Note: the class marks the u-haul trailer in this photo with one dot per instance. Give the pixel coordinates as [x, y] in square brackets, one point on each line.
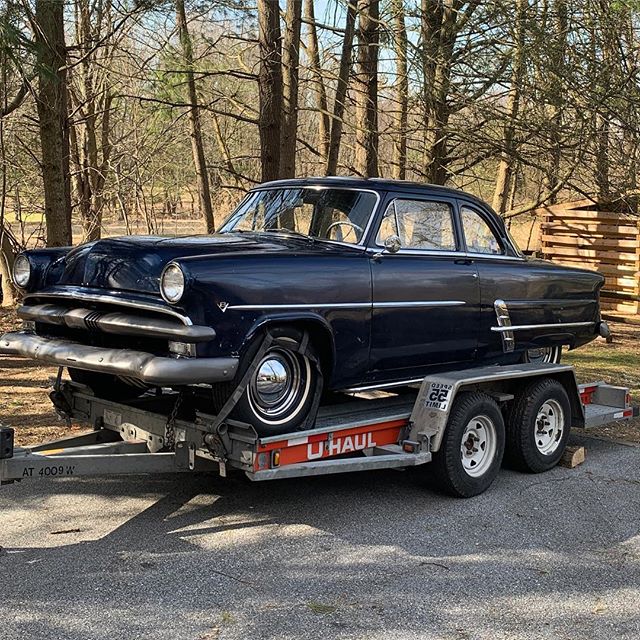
[462, 422]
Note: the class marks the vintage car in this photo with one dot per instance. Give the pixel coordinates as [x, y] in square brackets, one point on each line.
[359, 284]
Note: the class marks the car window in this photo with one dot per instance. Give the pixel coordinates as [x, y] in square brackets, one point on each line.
[328, 214]
[478, 235]
[420, 224]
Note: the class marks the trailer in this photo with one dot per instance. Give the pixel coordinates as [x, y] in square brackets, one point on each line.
[462, 425]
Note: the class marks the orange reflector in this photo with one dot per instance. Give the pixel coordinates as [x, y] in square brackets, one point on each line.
[275, 458]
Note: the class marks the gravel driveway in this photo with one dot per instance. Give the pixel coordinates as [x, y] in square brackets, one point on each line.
[370, 555]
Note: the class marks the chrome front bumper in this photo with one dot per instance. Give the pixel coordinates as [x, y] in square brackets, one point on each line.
[153, 370]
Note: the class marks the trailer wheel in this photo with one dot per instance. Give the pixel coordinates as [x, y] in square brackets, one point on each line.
[538, 427]
[471, 451]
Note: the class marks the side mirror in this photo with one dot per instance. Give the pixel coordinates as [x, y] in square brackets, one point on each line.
[392, 244]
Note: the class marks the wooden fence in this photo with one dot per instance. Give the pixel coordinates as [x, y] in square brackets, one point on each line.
[579, 234]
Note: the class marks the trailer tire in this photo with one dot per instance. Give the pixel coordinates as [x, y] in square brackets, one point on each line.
[538, 427]
[472, 447]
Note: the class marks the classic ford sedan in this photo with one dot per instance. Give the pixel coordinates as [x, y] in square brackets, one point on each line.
[310, 286]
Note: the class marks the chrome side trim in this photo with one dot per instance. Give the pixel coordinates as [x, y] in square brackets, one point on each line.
[347, 305]
[133, 304]
[550, 302]
[504, 322]
[382, 385]
[553, 325]
[426, 303]
[330, 305]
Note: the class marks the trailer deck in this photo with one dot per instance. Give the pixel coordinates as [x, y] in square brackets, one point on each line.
[170, 433]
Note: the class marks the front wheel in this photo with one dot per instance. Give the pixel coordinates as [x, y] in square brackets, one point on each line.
[283, 392]
[471, 451]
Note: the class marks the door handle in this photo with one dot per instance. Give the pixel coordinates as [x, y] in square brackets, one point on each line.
[466, 261]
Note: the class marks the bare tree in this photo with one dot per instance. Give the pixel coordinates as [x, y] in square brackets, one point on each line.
[270, 88]
[337, 121]
[401, 90]
[319, 89]
[290, 64]
[366, 156]
[441, 21]
[197, 144]
[556, 99]
[507, 155]
[53, 119]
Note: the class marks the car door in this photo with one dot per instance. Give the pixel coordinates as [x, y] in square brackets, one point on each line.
[426, 296]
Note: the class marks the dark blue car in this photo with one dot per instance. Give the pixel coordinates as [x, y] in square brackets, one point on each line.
[359, 284]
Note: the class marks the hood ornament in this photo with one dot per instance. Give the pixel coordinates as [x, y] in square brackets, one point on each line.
[223, 306]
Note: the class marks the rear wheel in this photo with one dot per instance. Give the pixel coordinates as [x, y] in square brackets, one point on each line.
[471, 451]
[538, 427]
[107, 386]
[543, 355]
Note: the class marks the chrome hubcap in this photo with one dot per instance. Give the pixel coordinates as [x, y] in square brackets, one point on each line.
[549, 427]
[541, 355]
[280, 385]
[478, 447]
[272, 379]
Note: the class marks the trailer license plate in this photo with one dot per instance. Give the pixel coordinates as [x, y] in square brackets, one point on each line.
[438, 396]
[112, 418]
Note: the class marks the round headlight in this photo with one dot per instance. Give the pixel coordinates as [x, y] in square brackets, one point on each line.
[22, 271]
[172, 283]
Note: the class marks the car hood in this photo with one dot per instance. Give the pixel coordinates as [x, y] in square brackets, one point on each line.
[135, 263]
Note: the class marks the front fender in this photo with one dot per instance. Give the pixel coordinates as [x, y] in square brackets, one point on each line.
[306, 319]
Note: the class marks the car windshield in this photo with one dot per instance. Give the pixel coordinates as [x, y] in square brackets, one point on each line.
[341, 215]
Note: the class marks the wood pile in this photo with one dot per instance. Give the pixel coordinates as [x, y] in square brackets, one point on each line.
[580, 234]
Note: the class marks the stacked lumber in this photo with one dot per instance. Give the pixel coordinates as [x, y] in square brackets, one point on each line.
[579, 234]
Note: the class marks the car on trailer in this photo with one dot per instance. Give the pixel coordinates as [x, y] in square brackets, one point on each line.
[360, 284]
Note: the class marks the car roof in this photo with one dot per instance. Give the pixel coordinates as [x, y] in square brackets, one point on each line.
[375, 184]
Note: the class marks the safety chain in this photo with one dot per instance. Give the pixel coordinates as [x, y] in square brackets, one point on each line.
[170, 429]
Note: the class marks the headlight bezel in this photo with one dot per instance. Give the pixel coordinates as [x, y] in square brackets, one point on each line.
[17, 280]
[173, 270]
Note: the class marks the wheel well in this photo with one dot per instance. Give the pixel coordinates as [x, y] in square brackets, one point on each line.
[319, 336]
[321, 339]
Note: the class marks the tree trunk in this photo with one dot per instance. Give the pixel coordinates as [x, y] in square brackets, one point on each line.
[290, 64]
[557, 64]
[322, 105]
[437, 31]
[401, 91]
[197, 144]
[366, 157]
[341, 90]
[53, 120]
[270, 88]
[508, 152]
